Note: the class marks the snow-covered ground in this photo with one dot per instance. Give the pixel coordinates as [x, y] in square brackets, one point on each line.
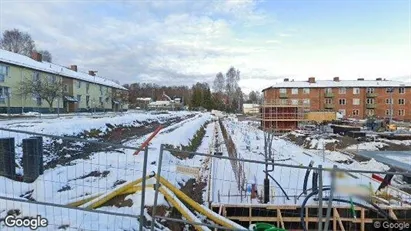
[104, 170]
[76, 124]
[250, 145]
[64, 184]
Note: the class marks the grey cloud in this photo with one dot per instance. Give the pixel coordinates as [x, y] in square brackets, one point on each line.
[140, 46]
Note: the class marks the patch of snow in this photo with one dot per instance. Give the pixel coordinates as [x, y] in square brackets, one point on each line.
[371, 146]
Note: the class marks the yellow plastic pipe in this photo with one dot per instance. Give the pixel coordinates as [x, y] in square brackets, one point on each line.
[97, 202]
[208, 213]
[181, 208]
[133, 189]
[84, 199]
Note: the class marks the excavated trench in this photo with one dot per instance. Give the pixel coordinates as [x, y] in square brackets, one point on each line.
[63, 152]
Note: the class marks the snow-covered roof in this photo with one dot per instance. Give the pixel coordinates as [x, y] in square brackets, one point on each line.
[21, 60]
[143, 99]
[250, 105]
[160, 103]
[341, 83]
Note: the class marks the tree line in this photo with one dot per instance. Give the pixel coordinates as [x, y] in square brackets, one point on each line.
[225, 94]
[21, 43]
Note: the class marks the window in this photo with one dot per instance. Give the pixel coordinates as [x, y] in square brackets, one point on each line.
[401, 101]
[79, 98]
[401, 112]
[401, 90]
[370, 90]
[328, 101]
[283, 102]
[294, 91]
[38, 101]
[329, 90]
[4, 71]
[370, 101]
[388, 101]
[389, 89]
[342, 102]
[3, 94]
[87, 87]
[294, 101]
[342, 112]
[355, 101]
[370, 112]
[87, 100]
[101, 100]
[36, 76]
[101, 91]
[306, 101]
[52, 79]
[65, 88]
[283, 90]
[306, 90]
[356, 90]
[388, 112]
[342, 90]
[78, 84]
[355, 112]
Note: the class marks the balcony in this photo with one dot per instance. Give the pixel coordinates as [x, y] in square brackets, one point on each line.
[329, 106]
[371, 106]
[329, 95]
[371, 95]
[283, 95]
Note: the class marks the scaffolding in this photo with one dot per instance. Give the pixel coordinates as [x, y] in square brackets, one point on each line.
[283, 115]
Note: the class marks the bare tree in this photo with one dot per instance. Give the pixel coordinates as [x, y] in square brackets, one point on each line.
[252, 97]
[232, 78]
[218, 84]
[17, 41]
[47, 89]
[46, 55]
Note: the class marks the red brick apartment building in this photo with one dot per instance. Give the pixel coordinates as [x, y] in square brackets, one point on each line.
[353, 98]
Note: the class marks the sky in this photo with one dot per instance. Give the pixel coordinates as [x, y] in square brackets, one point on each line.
[183, 42]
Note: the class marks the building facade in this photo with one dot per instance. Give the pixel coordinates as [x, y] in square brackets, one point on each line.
[82, 92]
[357, 99]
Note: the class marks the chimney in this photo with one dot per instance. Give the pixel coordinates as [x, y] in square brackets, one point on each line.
[73, 68]
[360, 79]
[91, 73]
[311, 80]
[286, 80]
[337, 79]
[36, 56]
[378, 79]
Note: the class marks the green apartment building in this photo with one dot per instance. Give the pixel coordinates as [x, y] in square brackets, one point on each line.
[82, 92]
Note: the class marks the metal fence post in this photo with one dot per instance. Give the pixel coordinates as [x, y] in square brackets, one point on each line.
[143, 189]
[158, 175]
[320, 197]
[330, 198]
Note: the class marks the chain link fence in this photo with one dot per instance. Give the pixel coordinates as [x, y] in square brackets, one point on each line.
[82, 183]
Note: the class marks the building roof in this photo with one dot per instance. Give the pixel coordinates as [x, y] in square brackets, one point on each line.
[160, 103]
[250, 105]
[341, 83]
[21, 60]
[143, 99]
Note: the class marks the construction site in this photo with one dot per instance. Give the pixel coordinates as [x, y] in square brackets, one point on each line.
[192, 170]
